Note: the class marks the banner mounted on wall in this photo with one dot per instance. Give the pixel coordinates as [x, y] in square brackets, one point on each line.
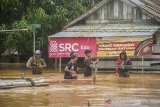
[133, 46]
[61, 47]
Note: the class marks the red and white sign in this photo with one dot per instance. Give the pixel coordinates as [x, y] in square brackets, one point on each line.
[61, 47]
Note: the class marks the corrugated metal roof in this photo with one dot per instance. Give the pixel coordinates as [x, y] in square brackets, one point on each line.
[108, 30]
[113, 28]
[100, 34]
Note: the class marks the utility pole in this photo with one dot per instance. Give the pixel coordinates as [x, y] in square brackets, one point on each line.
[92, 2]
[34, 36]
[34, 40]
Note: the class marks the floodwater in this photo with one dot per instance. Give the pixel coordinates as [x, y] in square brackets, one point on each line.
[140, 90]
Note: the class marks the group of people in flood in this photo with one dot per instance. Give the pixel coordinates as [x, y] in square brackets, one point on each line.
[71, 69]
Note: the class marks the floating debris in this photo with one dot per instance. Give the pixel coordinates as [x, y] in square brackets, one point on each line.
[22, 82]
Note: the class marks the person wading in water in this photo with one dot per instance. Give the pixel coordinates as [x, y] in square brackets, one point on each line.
[36, 63]
[121, 69]
[71, 69]
[88, 62]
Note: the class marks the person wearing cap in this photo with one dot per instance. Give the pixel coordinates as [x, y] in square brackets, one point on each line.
[36, 63]
[121, 69]
[88, 62]
[71, 69]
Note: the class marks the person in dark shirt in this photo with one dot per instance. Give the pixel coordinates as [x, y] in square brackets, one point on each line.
[123, 60]
[87, 63]
[71, 69]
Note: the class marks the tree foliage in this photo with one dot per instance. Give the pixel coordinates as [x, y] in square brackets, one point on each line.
[51, 14]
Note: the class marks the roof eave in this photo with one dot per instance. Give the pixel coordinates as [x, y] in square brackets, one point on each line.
[145, 11]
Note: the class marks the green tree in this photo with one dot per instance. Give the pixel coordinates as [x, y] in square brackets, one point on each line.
[51, 14]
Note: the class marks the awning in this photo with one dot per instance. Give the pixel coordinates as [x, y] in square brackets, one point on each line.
[108, 30]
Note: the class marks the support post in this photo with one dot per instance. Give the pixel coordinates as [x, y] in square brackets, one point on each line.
[60, 60]
[56, 64]
[94, 73]
[142, 64]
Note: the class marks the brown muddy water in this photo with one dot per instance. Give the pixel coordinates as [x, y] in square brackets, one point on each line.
[109, 91]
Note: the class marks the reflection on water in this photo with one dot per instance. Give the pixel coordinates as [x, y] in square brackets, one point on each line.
[109, 91]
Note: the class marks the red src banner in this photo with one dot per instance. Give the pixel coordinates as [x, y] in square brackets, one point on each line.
[61, 47]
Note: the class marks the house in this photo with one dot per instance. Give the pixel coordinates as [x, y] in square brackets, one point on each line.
[110, 27]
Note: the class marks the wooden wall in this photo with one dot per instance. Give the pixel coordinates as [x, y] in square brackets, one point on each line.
[156, 46]
[118, 11]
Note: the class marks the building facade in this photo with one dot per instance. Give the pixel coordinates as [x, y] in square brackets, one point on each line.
[113, 26]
